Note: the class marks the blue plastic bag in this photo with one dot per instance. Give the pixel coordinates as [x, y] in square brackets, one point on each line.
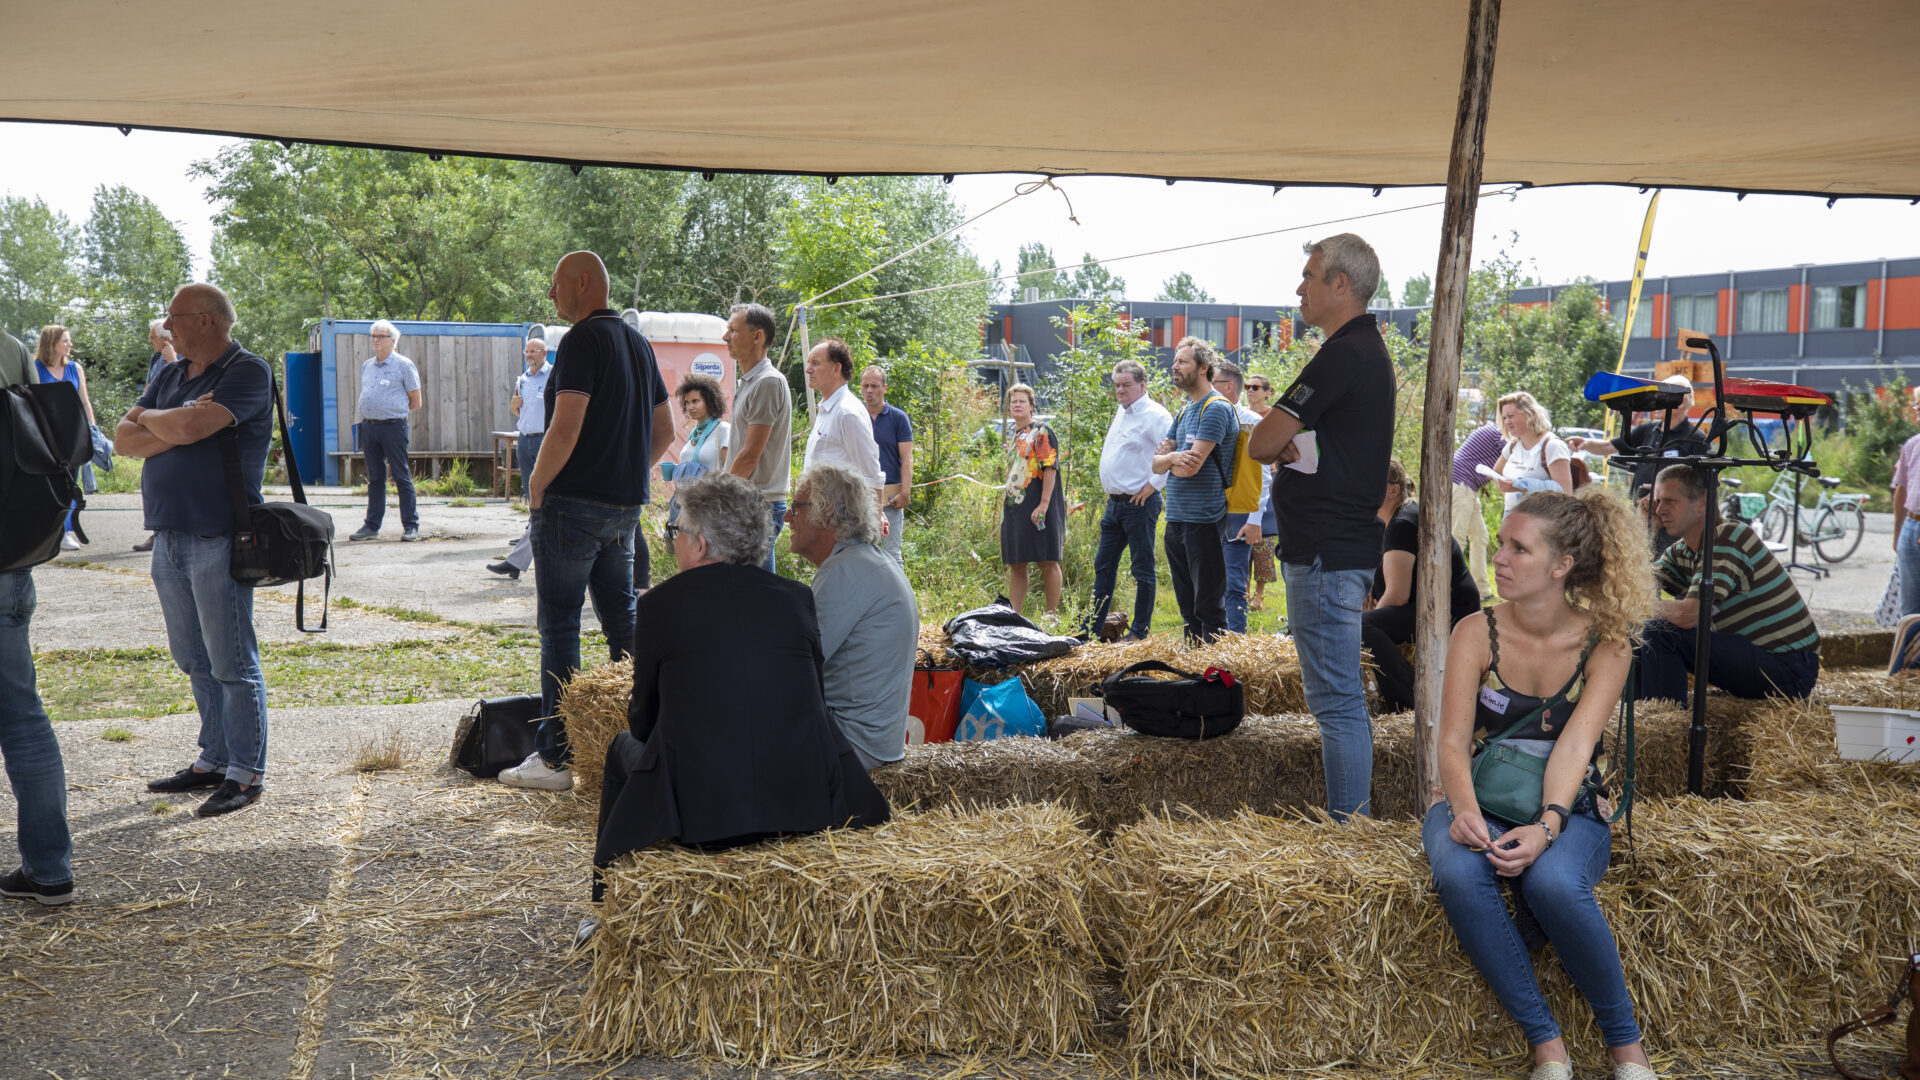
[997, 712]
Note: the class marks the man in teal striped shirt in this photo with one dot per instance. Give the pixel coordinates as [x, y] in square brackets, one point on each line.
[1763, 640]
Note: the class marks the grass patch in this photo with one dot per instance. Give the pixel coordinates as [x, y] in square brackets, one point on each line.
[465, 503]
[386, 750]
[162, 806]
[117, 734]
[106, 683]
[125, 477]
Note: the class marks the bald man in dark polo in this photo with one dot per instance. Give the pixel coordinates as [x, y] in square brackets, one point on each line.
[608, 422]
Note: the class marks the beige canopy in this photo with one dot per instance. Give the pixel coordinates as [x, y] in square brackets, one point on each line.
[1761, 95]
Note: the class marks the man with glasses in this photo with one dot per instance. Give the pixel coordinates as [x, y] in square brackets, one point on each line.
[389, 390]
[177, 427]
[1133, 498]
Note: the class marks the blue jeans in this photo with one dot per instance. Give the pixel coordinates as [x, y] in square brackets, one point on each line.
[1734, 664]
[1907, 554]
[1554, 901]
[1323, 613]
[581, 549]
[779, 510]
[1239, 556]
[385, 445]
[526, 453]
[1129, 528]
[209, 620]
[27, 742]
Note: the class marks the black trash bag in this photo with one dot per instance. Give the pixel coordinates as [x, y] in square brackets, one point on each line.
[997, 636]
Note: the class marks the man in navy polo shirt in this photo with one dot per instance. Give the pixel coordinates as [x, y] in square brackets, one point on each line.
[608, 422]
[893, 434]
[177, 426]
[1330, 528]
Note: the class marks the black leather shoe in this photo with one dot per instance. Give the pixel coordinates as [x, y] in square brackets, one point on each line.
[187, 780]
[505, 567]
[230, 796]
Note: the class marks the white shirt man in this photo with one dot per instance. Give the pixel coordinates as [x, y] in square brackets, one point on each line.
[842, 431]
[1133, 497]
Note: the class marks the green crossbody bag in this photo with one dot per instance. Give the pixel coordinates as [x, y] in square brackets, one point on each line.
[1508, 783]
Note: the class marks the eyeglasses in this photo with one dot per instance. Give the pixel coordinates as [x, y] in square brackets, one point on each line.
[184, 314]
[380, 335]
[674, 529]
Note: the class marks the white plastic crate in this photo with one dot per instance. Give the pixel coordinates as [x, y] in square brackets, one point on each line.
[1884, 734]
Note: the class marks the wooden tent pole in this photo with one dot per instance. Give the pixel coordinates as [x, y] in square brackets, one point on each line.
[1432, 623]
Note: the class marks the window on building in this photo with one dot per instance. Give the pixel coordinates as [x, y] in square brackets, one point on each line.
[996, 332]
[1256, 334]
[1839, 307]
[1209, 330]
[1156, 332]
[1763, 311]
[1642, 319]
[1701, 313]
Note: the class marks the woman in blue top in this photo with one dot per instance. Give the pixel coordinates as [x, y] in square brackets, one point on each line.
[1576, 589]
[56, 345]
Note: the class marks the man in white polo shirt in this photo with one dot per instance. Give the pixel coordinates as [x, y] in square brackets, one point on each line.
[842, 432]
[1133, 497]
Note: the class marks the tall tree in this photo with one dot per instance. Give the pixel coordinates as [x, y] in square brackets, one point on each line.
[1384, 294]
[135, 257]
[1418, 291]
[1181, 288]
[1034, 274]
[1092, 281]
[39, 264]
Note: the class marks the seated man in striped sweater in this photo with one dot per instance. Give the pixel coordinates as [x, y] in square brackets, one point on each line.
[1763, 640]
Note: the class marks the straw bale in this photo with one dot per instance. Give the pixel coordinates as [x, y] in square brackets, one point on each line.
[943, 933]
[1258, 944]
[593, 704]
[1855, 648]
[977, 775]
[1794, 749]
[1265, 664]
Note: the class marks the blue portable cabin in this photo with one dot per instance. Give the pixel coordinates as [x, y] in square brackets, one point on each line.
[467, 372]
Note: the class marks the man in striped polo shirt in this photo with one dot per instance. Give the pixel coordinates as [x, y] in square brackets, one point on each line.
[1763, 639]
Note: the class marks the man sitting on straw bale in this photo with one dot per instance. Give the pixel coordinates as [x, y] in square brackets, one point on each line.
[869, 619]
[1329, 528]
[729, 740]
[1763, 639]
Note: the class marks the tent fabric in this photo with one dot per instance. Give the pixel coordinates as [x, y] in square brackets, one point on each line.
[1761, 95]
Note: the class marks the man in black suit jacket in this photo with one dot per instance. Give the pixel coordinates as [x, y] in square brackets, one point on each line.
[729, 740]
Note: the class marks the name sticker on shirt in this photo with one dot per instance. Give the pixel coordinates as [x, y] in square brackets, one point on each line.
[1494, 699]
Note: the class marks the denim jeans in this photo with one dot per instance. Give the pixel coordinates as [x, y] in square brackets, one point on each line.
[1734, 664]
[890, 544]
[526, 453]
[527, 450]
[1323, 613]
[1554, 898]
[209, 620]
[1129, 528]
[1907, 555]
[385, 445]
[581, 549]
[1239, 556]
[779, 510]
[1196, 558]
[27, 742]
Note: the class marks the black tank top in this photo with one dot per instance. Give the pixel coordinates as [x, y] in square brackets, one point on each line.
[1500, 706]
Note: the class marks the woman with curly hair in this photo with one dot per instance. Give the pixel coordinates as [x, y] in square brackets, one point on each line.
[1576, 590]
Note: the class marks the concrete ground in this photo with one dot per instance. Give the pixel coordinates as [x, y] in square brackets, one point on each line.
[407, 921]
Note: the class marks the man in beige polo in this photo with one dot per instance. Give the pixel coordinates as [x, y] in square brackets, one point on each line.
[762, 440]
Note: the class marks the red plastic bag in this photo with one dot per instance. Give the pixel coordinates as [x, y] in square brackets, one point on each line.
[934, 710]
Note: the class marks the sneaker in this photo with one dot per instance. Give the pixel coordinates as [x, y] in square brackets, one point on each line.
[1551, 1070]
[230, 796]
[505, 567]
[411, 535]
[145, 545]
[1625, 1070]
[69, 542]
[536, 774]
[187, 779]
[364, 533]
[20, 885]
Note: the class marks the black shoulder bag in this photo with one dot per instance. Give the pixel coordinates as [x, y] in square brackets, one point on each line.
[43, 439]
[1204, 706]
[278, 542]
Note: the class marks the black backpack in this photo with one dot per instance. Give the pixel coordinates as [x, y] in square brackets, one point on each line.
[1190, 707]
[43, 441]
[276, 543]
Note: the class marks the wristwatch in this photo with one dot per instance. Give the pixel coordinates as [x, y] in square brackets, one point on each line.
[1566, 815]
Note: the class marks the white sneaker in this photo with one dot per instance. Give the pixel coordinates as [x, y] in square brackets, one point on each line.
[69, 542]
[535, 773]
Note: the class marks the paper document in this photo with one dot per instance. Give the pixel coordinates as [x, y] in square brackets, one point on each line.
[1487, 472]
[1309, 459]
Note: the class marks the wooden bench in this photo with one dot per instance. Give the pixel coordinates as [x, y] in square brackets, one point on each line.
[352, 461]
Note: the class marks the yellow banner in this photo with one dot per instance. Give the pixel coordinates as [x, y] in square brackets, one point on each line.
[1633, 299]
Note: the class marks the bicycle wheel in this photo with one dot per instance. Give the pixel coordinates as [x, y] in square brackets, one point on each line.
[1839, 530]
[1774, 524]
